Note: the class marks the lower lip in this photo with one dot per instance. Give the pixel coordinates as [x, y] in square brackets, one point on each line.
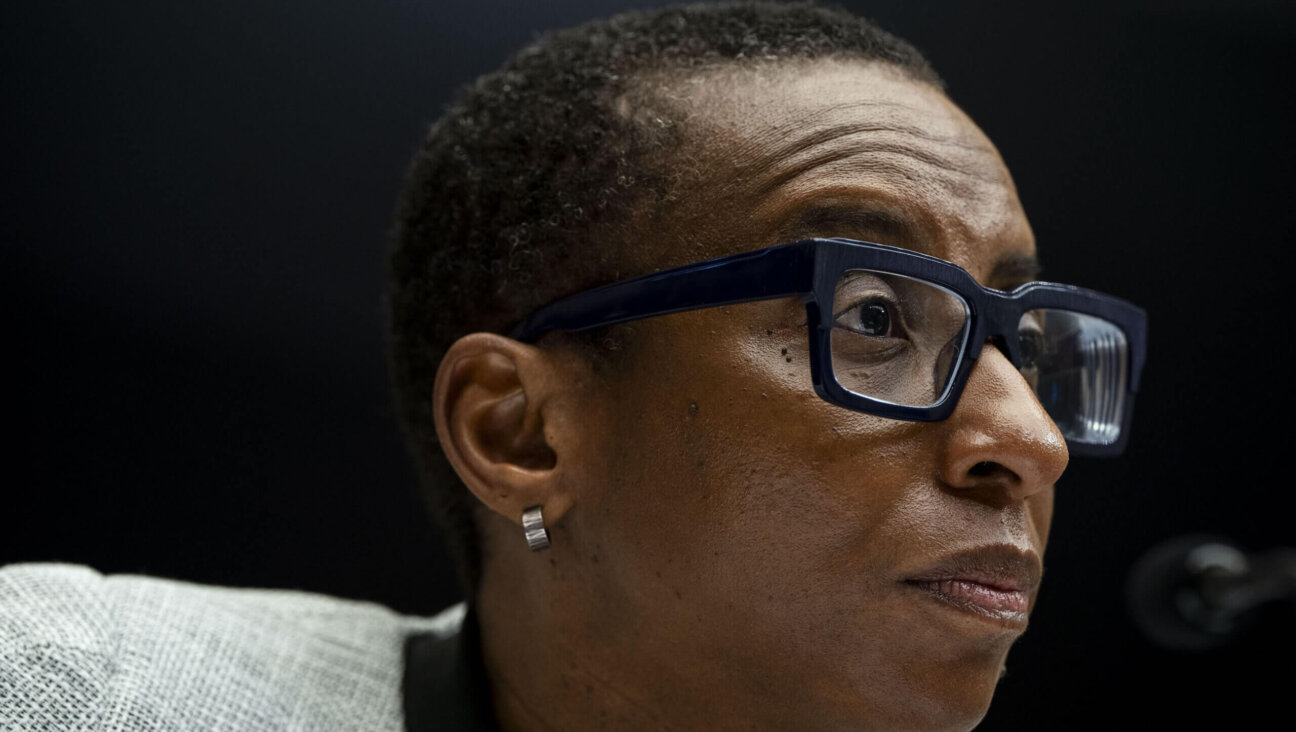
[1006, 606]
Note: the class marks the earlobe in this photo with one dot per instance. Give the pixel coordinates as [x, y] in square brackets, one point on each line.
[489, 404]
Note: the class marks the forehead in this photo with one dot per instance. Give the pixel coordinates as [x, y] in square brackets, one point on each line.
[844, 148]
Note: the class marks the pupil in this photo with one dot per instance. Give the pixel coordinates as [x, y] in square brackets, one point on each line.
[874, 319]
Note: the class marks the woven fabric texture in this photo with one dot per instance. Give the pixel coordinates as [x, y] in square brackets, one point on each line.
[84, 651]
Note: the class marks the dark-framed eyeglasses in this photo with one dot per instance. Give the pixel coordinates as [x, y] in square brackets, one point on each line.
[895, 333]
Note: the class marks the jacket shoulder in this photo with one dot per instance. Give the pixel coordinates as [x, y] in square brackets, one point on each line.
[80, 650]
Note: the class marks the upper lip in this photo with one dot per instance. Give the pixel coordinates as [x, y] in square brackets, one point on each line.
[1001, 567]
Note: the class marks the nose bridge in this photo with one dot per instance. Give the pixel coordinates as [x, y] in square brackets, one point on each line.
[998, 422]
[1002, 318]
[1001, 344]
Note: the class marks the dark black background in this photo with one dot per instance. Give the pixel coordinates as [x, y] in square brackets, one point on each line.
[194, 209]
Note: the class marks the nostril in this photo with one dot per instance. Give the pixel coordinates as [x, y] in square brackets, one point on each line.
[983, 468]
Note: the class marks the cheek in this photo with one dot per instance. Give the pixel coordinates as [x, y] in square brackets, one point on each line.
[733, 476]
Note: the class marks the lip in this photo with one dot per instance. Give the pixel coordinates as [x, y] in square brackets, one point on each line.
[994, 583]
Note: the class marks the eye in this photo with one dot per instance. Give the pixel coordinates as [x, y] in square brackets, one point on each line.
[1031, 343]
[871, 318]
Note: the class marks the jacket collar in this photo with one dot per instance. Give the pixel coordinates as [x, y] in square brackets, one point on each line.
[445, 687]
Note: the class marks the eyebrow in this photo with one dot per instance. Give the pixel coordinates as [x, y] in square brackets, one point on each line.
[1013, 269]
[836, 219]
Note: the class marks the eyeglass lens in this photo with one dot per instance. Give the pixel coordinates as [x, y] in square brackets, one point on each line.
[896, 339]
[1078, 365]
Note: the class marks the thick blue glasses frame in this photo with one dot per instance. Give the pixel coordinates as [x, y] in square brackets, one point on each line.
[810, 269]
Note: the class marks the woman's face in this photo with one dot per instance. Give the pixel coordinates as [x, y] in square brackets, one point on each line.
[739, 532]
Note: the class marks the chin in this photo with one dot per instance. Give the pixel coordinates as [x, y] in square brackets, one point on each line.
[957, 702]
[932, 713]
[940, 694]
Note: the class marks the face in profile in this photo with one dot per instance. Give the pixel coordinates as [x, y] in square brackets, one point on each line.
[730, 549]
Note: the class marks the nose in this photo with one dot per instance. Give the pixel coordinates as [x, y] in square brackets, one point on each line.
[999, 442]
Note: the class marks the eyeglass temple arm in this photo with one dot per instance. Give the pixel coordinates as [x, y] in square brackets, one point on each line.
[761, 275]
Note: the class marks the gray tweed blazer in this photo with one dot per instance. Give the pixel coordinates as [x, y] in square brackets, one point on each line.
[84, 651]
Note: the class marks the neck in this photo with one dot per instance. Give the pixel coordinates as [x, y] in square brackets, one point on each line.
[553, 668]
[571, 697]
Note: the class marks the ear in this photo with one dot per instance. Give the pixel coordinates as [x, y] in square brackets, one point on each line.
[490, 402]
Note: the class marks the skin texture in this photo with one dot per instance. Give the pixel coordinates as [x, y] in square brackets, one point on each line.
[729, 550]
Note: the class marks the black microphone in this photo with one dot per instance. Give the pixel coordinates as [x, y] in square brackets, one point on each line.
[1198, 592]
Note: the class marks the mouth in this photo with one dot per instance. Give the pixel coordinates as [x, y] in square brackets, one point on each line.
[994, 583]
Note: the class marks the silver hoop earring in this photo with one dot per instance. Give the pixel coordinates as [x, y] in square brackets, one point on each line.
[533, 524]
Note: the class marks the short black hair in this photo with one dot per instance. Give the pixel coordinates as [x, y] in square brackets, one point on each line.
[517, 194]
